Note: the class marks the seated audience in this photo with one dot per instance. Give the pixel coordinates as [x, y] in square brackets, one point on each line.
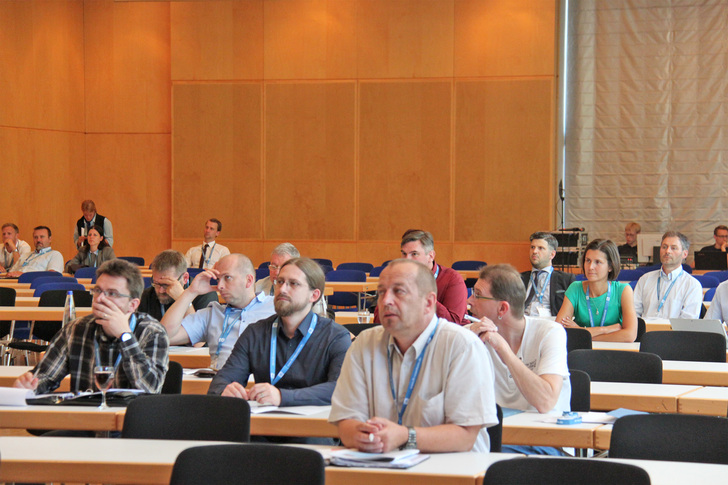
[718, 309]
[670, 292]
[94, 252]
[206, 255]
[90, 219]
[43, 258]
[528, 353]
[14, 249]
[545, 286]
[629, 248]
[416, 381]
[601, 304]
[720, 234]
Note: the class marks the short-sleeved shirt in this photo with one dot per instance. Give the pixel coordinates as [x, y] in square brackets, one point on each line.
[577, 297]
[46, 260]
[455, 384]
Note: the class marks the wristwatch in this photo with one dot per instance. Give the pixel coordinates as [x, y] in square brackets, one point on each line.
[411, 443]
[125, 336]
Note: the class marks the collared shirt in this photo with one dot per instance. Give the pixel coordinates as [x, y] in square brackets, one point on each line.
[44, 261]
[108, 230]
[214, 252]
[719, 306]
[683, 301]
[144, 357]
[534, 304]
[455, 384]
[7, 257]
[206, 325]
[311, 378]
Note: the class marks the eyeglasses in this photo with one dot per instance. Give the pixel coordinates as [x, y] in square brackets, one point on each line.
[274, 267]
[161, 286]
[293, 284]
[113, 294]
[481, 297]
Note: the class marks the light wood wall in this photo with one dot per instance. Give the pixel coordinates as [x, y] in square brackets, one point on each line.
[335, 125]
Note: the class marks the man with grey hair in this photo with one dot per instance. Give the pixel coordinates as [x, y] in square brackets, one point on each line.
[670, 292]
[169, 280]
[114, 335]
[545, 286]
[416, 381]
[219, 325]
[14, 249]
[282, 253]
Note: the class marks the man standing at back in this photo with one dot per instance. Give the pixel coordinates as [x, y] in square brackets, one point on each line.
[452, 294]
[209, 252]
[670, 292]
[416, 381]
[90, 219]
[14, 249]
[43, 258]
[545, 286]
[219, 325]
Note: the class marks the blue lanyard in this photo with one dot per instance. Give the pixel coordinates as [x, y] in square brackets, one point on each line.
[606, 305]
[437, 270]
[274, 339]
[209, 255]
[96, 260]
[534, 283]
[132, 326]
[413, 376]
[226, 328]
[664, 298]
[35, 255]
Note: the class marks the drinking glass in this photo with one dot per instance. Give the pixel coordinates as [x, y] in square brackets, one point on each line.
[104, 377]
[363, 316]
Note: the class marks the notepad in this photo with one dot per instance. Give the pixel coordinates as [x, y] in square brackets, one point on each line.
[400, 459]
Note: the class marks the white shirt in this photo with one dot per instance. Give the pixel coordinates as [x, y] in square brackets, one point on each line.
[7, 257]
[455, 384]
[543, 304]
[719, 306]
[45, 260]
[214, 252]
[683, 300]
[543, 350]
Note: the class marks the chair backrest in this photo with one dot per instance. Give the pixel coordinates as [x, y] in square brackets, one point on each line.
[580, 390]
[719, 275]
[495, 432]
[366, 267]
[707, 281]
[188, 417]
[617, 365]
[147, 281]
[679, 345]
[578, 338]
[708, 296]
[641, 329]
[194, 272]
[580, 277]
[633, 284]
[558, 471]
[263, 265]
[173, 379]
[57, 298]
[671, 437]
[30, 276]
[261, 273]
[326, 268]
[468, 265]
[324, 261]
[630, 274]
[138, 260]
[51, 279]
[376, 271]
[356, 328]
[7, 298]
[251, 463]
[346, 275]
[87, 272]
[61, 285]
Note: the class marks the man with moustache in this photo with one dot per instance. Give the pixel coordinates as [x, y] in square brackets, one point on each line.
[302, 350]
[545, 286]
[14, 249]
[43, 258]
[219, 325]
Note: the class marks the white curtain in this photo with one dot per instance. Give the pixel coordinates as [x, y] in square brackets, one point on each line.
[646, 136]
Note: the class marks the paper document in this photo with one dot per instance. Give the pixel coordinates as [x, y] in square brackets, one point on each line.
[14, 396]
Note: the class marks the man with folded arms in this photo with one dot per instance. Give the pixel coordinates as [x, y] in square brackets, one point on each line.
[169, 280]
[528, 353]
[219, 325]
[545, 286]
[416, 381]
[44, 258]
[115, 334]
[206, 255]
[14, 249]
[670, 292]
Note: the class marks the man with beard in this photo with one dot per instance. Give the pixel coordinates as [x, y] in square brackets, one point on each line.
[169, 280]
[545, 286]
[43, 258]
[219, 325]
[300, 349]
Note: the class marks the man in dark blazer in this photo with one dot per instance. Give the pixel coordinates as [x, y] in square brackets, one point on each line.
[545, 286]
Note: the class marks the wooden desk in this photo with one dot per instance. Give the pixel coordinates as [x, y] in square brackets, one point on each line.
[352, 286]
[654, 398]
[528, 429]
[706, 400]
[469, 273]
[343, 318]
[38, 313]
[627, 346]
[315, 425]
[190, 357]
[87, 418]
[27, 300]
[695, 373]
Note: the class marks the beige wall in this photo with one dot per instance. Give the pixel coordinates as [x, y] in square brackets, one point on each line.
[335, 125]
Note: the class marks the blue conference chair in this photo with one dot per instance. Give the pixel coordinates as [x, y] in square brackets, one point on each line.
[343, 300]
[139, 261]
[261, 273]
[720, 275]
[580, 277]
[264, 265]
[194, 272]
[324, 261]
[30, 276]
[51, 279]
[630, 274]
[376, 271]
[707, 281]
[708, 296]
[468, 265]
[62, 285]
[366, 267]
[147, 281]
[87, 272]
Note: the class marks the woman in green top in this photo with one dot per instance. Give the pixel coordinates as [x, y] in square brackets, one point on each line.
[601, 304]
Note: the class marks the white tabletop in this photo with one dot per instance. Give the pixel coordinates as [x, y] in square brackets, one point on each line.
[659, 398]
[630, 346]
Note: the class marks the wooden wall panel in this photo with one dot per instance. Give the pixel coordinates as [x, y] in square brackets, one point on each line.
[503, 159]
[41, 64]
[217, 159]
[128, 178]
[404, 39]
[217, 40]
[46, 166]
[127, 67]
[506, 37]
[310, 39]
[309, 159]
[404, 159]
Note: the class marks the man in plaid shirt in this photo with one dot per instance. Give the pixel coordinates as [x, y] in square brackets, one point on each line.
[135, 344]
